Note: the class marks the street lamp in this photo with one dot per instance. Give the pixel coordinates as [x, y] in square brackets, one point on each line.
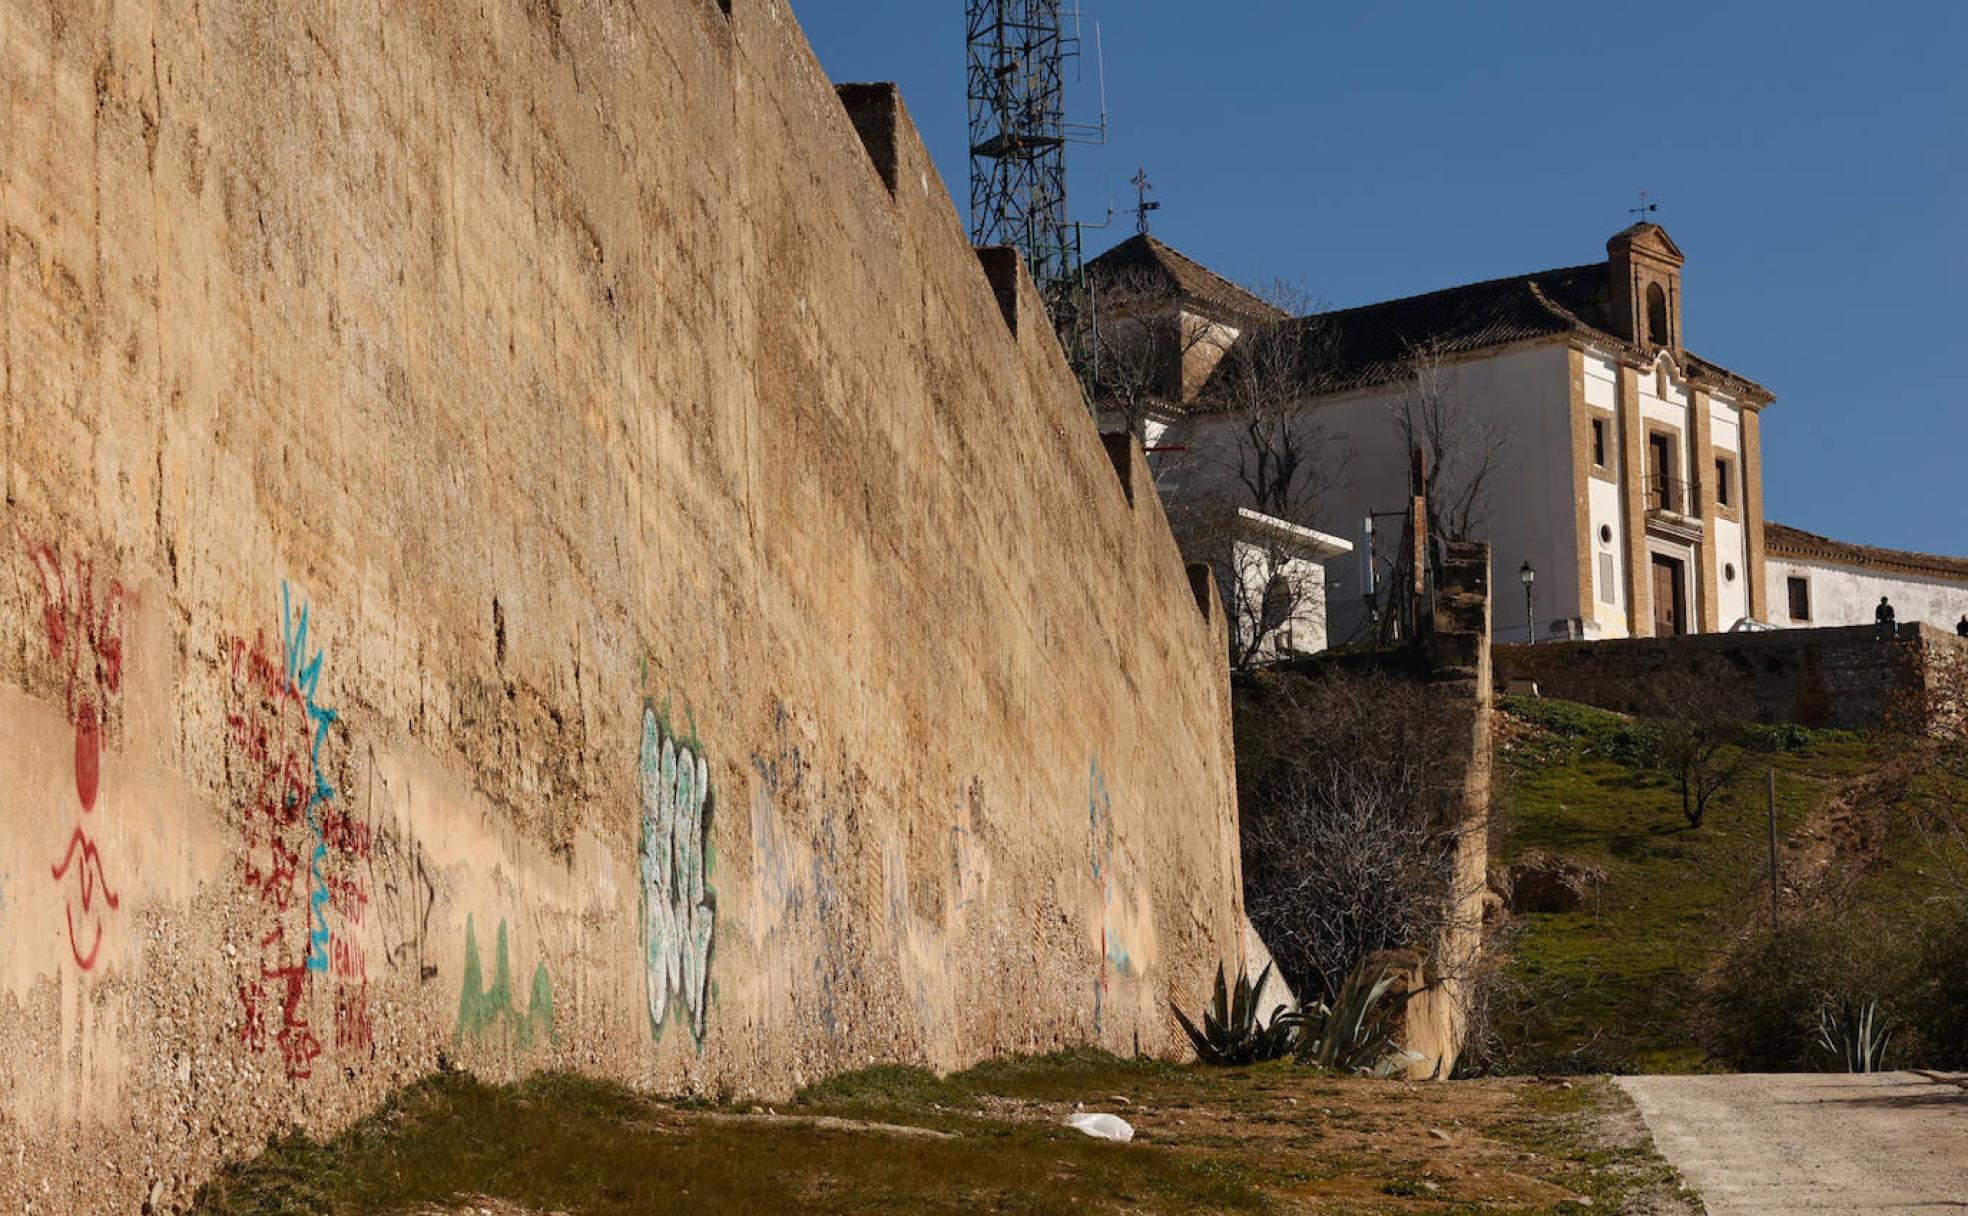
[1530, 619]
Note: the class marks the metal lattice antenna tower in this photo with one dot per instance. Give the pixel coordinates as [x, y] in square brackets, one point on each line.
[1018, 133]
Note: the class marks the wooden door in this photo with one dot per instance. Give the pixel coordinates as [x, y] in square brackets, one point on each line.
[1669, 582]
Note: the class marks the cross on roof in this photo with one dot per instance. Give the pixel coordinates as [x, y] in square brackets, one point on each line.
[1142, 206]
[1644, 207]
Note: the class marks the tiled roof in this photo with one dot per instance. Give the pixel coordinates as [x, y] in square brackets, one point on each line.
[1362, 347]
[1143, 254]
[1780, 540]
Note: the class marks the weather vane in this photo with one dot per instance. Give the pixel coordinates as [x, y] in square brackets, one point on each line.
[1644, 207]
[1142, 206]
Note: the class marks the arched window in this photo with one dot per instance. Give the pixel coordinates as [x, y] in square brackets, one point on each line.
[1656, 315]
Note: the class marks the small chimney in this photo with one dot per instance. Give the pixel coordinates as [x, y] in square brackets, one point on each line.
[1644, 266]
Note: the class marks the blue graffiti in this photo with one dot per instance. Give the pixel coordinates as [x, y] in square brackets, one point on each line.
[304, 672]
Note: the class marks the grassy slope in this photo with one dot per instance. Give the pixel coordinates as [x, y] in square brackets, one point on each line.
[1616, 986]
[1268, 1138]
[1612, 987]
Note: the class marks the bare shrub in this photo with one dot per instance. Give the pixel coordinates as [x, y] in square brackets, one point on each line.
[1701, 711]
[1352, 804]
[1138, 345]
[1460, 449]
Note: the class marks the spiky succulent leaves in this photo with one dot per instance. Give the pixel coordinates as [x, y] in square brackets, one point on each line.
[1204, 1040]
[1357, 1032]
[1231, 1032]
[1854, 1038]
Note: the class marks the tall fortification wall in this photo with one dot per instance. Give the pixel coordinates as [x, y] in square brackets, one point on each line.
[531, 540]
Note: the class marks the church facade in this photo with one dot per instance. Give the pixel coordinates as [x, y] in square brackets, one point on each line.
[1616, 474]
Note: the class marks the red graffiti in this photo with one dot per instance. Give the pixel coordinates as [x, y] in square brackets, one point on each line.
[347, 960]
[88, 878]
[349, 898]
[287, 869]
[86, 638]
[353, 1029]
[252, 1028]
[297, 1043]
[346, 834]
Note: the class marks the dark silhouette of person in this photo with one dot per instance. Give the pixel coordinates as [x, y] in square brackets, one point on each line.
[1962, 628]
[1882, 618]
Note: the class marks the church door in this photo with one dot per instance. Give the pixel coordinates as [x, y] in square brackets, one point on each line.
[1670, 619]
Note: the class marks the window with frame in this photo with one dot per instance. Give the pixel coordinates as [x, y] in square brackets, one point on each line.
[1725, 482]
[1599, 443]
[1800, 598]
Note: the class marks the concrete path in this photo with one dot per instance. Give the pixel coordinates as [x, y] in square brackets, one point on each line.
[1883, 1144]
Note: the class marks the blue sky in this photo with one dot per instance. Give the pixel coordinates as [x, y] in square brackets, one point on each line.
[1810, 158]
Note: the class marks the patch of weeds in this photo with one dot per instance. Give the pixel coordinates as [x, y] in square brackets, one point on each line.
[1556, 1122]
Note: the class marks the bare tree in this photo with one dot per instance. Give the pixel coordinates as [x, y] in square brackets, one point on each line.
[1139, 343]
[1351, 788]
[1700, 713]
[1462, 451]
[1269, 453]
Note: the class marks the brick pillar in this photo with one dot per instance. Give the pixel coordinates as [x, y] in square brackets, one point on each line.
[1633, 500]
[1701, 473]
[1582, 486]
[1752, 481]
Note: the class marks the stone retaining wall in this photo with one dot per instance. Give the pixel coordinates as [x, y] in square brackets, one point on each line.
[532, 540]
[1848, 678]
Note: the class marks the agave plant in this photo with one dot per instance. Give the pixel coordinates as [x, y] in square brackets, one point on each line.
[1356, 1032]
[1854, 1037]
[1232, 1032]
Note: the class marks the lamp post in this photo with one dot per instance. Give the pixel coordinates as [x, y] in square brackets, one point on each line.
[1530, 619]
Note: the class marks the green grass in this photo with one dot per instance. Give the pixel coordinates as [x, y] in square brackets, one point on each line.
[559, 1142]
[1259, 1139]
[1613, 986]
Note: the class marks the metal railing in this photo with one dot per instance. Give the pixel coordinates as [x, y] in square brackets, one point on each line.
[1666, 493]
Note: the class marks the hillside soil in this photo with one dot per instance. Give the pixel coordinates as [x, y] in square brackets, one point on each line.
[1273, 1138]
[1616, 984]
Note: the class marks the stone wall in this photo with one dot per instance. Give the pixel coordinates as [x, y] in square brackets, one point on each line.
[1451, 656]
[531, 540]
[1847, 677]
[1456, 640]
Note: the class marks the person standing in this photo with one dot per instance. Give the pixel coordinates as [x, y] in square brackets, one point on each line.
[1962, 628]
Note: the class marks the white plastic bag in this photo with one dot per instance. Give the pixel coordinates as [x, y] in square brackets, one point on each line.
[1102, 1126]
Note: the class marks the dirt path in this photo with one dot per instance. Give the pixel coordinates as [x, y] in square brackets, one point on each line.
[1871, 1145]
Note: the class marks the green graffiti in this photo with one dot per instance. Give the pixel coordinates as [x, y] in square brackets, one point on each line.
[482, 1009]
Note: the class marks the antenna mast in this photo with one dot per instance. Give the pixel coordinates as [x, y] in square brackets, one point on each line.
[1016, 86]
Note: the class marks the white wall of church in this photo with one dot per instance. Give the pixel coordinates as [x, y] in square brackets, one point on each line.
[1527, 394]
[1731, 594]
[1605, 615]
[1848, 595]
[1609, 592]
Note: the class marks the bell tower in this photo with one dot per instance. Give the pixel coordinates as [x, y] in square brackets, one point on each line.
[1645, 273]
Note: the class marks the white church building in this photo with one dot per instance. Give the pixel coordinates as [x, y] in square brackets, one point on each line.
[1627, 471]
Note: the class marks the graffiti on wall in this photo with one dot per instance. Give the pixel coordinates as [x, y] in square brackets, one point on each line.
[488, 1009]
[407, 897]
[930, 920]
[304, 857]
[83, 626]
[1126, 928]
[679, 909]
[810, 939]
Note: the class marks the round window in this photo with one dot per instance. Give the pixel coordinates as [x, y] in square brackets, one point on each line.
[1729, 571]
[1605, 534]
